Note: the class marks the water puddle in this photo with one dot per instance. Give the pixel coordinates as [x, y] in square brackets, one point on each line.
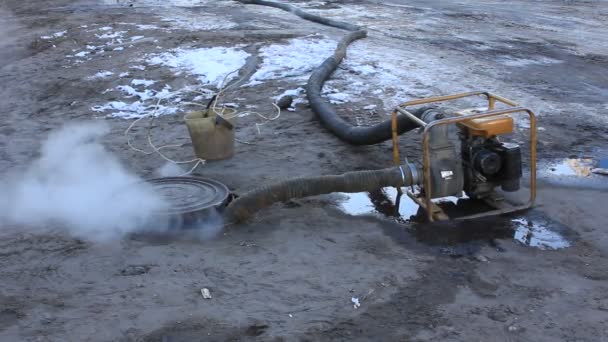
[457, 237]
[537, 235]
[382, 201]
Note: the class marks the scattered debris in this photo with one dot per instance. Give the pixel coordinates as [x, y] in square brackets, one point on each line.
[481, 258]
[602, 167]
[285, 102]
[206, 293]
[356, 303]
[133, 270]
[573, 167]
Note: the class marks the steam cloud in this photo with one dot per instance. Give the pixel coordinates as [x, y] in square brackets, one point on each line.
[76, 183]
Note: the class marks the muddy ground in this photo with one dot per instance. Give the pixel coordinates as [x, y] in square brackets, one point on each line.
[290, 273]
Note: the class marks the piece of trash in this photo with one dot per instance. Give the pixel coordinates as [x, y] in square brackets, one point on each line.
[481, 258]
[133, 270]
[573, 167]
[285, 102]
[600, 171]
[290, 315]
[206, 293]
[356, 303]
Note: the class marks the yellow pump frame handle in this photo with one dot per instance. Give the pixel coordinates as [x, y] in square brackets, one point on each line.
[492, 99]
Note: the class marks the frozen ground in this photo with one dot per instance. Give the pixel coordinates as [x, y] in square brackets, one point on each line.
[292, 272]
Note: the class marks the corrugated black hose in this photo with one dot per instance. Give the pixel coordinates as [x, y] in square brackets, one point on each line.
[354, 135]
[357, 181]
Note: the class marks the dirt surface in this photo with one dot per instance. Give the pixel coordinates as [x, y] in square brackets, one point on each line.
[291, 273]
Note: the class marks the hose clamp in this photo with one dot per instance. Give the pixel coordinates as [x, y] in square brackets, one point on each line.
[414, 173]
[402, 175]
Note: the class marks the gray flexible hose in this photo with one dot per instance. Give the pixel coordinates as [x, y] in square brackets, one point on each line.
[358, 181]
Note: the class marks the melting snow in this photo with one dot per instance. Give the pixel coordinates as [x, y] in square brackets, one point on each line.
[112, 35]
[146, 104]
[101, 74]
[211, 65]
[145, 83]
[297, 58]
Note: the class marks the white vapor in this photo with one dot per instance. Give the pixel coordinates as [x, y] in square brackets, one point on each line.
[77, 184]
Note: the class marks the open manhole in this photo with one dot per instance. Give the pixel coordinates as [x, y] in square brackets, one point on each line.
[190, 199]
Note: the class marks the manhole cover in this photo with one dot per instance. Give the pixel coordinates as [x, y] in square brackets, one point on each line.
[189, 195]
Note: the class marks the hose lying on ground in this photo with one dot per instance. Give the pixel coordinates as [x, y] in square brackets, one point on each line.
[357, 181]
[327, 115]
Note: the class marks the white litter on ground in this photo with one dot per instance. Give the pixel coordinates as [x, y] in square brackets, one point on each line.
[211, 65]
[297, 58]
[356, 303]
[82, 54]
[55, 35]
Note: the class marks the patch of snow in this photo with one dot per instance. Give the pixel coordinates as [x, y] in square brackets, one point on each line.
[297, 58]
[123, 74]
[211, 65]
[147, 27]
[81, 54]
[145, 83]
[520, 62]
[134, 38]
[101, 74]
[105, 28]
[55, 35]
[111, 35]
[120, 48]
[146, 103]
[199, 22]
[138, 67]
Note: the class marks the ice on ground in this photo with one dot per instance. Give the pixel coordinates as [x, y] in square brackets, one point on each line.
[123, 74]
[105, 28]
[211, 65]
[297, 58]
